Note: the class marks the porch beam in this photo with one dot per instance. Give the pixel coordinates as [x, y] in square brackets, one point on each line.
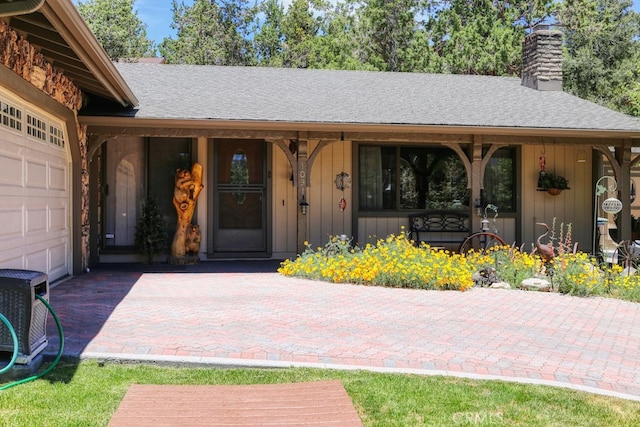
[351, 130]
[537, 140]
[210, 130]
[391, 137]
[192, 133]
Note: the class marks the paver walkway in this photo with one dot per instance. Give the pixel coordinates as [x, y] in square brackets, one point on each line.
[234, 318]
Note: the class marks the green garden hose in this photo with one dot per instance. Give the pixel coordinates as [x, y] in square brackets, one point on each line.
[58, 356]
[15, 344]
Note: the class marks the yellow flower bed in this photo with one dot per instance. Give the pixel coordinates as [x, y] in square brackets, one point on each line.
[396, 261]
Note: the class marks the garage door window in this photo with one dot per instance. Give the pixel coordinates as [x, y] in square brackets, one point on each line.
[56, 136]
[10, 116]
[36, 127]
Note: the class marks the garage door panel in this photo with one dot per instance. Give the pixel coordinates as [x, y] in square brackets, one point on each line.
[11, 223]
[11, 259]
[58, 219]
[57, 178]
[10, 248]
[36, 259]
[36, 176]
[58, 255]
[36, 220]
[11, 167]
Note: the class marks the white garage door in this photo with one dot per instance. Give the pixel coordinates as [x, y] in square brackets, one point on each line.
[34, 191]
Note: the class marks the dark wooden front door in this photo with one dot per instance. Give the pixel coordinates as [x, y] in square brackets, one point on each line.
[239, 197]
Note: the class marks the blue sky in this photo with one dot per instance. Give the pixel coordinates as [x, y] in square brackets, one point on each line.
[158, 17]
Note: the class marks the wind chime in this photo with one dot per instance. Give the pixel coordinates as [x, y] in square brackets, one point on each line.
[343, 180]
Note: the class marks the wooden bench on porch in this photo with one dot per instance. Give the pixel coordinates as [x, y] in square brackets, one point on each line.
[439, 228]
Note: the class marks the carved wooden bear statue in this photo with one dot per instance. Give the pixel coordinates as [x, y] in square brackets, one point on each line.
[192, 241]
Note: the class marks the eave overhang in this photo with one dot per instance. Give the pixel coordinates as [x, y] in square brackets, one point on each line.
[130, 126]
[56, 29]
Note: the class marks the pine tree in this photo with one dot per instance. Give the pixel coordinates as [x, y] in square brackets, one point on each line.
[116, 25]
[151, 230]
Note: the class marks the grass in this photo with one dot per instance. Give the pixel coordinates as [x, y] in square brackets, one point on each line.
[87, 394]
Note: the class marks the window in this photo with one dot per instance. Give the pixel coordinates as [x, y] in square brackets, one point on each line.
[399, 178]
[56, 136]
[499, 180]
[410, 178]
[10, 116]
[36, 127]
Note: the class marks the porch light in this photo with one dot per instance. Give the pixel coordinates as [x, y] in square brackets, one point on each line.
[304, 206]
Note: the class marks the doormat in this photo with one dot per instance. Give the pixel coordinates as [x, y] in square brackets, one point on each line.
[322, 403]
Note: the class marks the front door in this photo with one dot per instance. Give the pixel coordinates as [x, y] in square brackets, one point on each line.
[239, 207]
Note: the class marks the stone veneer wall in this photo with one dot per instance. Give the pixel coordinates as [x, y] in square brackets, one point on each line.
[17, 54]
[542, 60]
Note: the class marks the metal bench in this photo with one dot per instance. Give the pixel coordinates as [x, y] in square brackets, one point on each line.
[439, 228]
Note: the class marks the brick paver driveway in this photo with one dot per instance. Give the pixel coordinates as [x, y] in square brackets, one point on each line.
[264, 319]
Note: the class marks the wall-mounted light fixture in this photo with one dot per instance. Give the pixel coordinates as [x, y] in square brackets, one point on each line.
[304, 206]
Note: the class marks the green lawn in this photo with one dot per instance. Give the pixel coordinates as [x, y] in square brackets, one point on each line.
[88, 394]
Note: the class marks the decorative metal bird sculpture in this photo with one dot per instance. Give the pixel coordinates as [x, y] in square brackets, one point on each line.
[545, 251]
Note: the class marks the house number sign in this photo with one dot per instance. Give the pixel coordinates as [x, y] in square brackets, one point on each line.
[302, 177]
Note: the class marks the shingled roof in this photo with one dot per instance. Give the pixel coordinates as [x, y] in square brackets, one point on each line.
[357, 97]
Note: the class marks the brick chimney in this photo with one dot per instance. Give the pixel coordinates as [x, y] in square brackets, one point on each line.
[542, 59]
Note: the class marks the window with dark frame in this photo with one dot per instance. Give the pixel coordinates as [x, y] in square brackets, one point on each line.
[397, 178]
[500, 180]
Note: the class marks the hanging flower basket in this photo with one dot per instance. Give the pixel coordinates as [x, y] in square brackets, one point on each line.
[552, 183]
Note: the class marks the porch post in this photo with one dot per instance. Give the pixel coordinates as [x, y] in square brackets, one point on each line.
[476, 181]
[302, 196]
[623, 156]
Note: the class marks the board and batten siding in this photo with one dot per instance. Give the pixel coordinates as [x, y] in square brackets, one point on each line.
[571, 207]
[372, 229]
[325, 217]
[285, 207]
